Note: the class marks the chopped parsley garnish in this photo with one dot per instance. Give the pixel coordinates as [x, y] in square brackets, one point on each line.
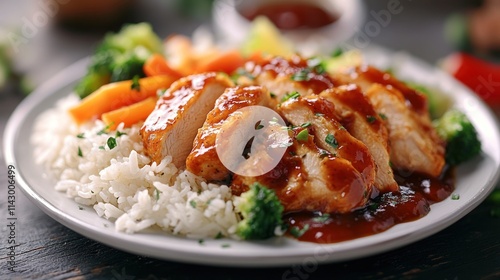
[135, 83]
[225, 245]
[307, 124]
[219, 235]
[322, 219]
[298, 232]
[371, 119]
[317, 65]
[80, 154]
[101, 147]
[330, 140]
[201, 241]
[111, 143]
[192, 203]
[303, 135]
[382, 116]
[455, 196]
[258, 125]
[80, 208]
[119, 133]
[291, 95]
[157, 194]
[302, 75]
[319, 114]
[241, 72]
[81, 136]
[273, 95]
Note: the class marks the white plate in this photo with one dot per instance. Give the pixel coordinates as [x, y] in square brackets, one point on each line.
[475, 180]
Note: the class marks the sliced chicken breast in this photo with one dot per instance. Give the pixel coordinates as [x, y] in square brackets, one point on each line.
[329, 134]
[283, 76]
[203, 159]
[360, 119]
[414, 144]
[365, 76]
[171, 128]
[307, 179]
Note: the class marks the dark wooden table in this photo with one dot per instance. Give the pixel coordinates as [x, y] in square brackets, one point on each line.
[469, 249]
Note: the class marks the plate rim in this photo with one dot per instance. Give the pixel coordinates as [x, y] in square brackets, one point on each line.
[216, 256]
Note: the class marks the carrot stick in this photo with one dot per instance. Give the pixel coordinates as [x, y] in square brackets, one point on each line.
[157, 65]
[116, 95]
[131, 114]
[224, 62]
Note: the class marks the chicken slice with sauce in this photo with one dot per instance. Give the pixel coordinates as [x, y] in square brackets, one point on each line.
[307, 179]
[414, 143]
[283, 76]
[330, 171]
[171, 128]
[358, 116]
[203, 159]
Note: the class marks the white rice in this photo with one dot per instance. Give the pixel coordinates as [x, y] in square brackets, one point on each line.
[122, 185]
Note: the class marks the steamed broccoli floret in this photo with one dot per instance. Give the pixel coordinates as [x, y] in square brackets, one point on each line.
[130, 64]
[261, 211]
[119, 57]
[461, 138]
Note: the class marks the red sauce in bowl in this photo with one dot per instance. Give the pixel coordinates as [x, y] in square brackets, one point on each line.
[289, 16]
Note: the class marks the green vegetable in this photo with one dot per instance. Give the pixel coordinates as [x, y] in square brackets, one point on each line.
[261, 211]
[303, 135]
[111, 143]
[330, 140]
[461, 138]
[438, 102]
[292, 95]
[119, 57]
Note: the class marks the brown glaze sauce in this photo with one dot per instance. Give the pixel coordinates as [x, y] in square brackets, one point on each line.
[417, 193]
[290, 16]
[415, 99]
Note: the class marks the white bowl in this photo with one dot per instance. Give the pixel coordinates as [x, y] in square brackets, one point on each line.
[232, 27]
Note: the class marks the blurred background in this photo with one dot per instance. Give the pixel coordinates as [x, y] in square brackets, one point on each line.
[38, 38]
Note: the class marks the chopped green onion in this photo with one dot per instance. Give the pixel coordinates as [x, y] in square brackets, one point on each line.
[292, 95]
[371, 119]
[273, 95]
[298, 232]
[322, 219]
[382, 116]
[119, 133]
[303, 135]
[302, 75]
[455, 196]
[192, 203]
[307, 124]
[111, 143]
[258, 125]
[81, 136]
[80, 152]
[330, 140]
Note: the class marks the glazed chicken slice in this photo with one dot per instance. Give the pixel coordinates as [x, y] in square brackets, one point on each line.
[203, 159]
[308, 179]
[414, 144]
[365, 76]
[329, 134]
[171, 128]
[283, 76]
[360, 119]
